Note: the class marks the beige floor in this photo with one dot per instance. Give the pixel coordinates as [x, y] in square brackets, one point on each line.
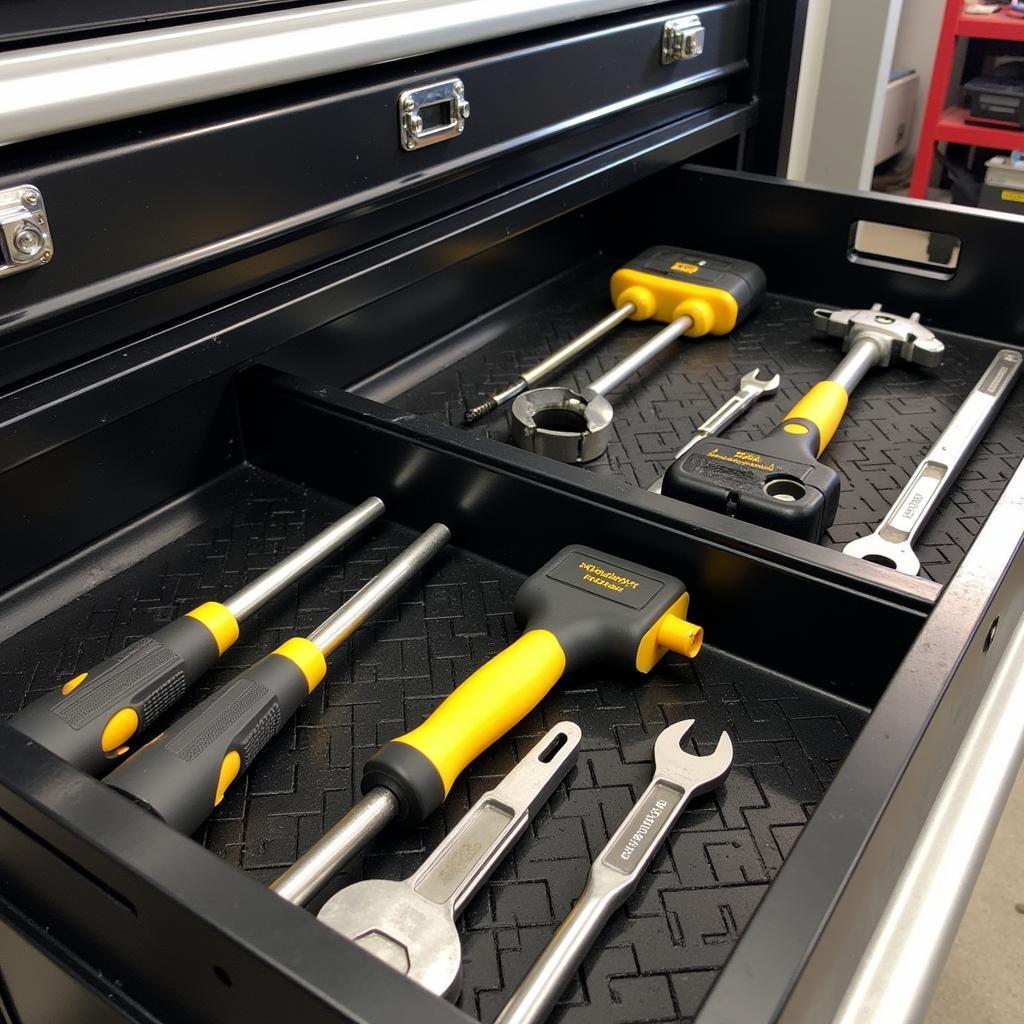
[983, 981]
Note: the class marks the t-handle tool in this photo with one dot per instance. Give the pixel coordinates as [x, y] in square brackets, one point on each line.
[678, 778]
[411, 925]
[694, 293]
[89, 721]
[556, 360]
[183, 774]
[584, 608]
[750, 390]
[892, 544]
[778, 481]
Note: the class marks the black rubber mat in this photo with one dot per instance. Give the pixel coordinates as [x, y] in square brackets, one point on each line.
[892, 420]
[657, 959]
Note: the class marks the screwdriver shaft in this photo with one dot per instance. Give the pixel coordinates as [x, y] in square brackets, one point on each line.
[337, 847]
[354, 612]
[282, 575]
[554, 362]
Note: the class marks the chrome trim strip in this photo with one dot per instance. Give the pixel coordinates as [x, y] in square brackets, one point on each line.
[68, 85]
[904, 958]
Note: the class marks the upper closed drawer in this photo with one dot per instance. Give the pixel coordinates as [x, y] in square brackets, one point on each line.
[256, 184]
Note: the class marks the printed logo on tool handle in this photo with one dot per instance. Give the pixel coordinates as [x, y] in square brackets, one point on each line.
[605, 579]
[642, 829]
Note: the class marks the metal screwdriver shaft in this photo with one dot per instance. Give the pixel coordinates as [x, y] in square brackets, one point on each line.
[183, 774]
[91, 718]
[554, 362]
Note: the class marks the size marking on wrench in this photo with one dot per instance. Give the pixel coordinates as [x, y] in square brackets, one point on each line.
[410, 925]
[750, 390]
[892, 543]
[678, 778]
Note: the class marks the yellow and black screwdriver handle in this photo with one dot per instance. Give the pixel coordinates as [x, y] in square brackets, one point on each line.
[183, 773]
[90, 719]
[584, 608]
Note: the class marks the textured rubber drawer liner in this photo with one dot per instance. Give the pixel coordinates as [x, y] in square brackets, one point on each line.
[892, 419]
[655, 961]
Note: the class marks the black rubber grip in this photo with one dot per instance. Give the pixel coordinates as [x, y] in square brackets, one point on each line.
[177, 775]
[148, 677]
[410, 775]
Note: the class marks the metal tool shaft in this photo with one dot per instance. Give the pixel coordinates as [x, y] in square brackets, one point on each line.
[644, 354]
[554, 362]
[892, 541]
[354, 612]
[337, 847]
[282, 575]
[853, 367]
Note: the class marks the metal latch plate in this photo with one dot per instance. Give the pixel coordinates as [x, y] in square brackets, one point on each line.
[25, 240]
[682, 39]
[432, 113]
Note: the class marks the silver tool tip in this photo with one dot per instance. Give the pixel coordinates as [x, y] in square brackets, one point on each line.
[472, 415]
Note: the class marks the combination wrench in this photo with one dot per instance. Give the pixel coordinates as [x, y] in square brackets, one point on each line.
[410, 925]
[750, 390]
[678, 778]
[892, 543]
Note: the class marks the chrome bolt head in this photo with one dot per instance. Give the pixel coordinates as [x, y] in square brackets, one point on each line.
[28, 240]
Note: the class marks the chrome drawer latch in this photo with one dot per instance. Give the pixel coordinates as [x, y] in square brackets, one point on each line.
[24, 230]
[432, 113]
[682, 39]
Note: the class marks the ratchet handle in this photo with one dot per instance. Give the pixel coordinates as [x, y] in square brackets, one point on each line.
[421, 766]
[89, 721]
[813, 421]
[184, 773]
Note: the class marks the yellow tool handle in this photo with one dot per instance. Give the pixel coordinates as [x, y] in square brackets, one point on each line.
[421, 766]
[823, 406]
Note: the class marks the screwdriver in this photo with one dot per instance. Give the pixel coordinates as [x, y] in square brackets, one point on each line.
[582, 609]
[91, 718]
[184, 773]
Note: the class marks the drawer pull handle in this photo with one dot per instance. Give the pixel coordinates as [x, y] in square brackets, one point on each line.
[432, 113]
[682, 39]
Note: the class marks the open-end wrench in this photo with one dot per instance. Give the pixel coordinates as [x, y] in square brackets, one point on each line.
[411, 924]
[750, 390]
[678, 778]
[892, 543]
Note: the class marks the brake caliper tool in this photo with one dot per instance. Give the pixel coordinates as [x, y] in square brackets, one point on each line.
[678, 778]
[778, 481]
[89, 721]
[892, 544]
[694, 293]
[410, 925]
[183, 774]
[584, 608]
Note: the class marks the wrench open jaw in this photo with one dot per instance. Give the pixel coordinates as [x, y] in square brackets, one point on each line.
[693, 773]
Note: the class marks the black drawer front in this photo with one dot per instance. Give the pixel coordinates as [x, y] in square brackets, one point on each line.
[306, 171]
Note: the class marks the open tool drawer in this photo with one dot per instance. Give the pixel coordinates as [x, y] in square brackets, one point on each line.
[193, 449]
[815, 665]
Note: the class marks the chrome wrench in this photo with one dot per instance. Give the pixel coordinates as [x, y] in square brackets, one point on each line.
[892, 543]
[678, 778]
[750, 390]
[411, 924]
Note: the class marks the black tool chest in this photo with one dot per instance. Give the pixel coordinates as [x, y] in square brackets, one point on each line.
[245, 331]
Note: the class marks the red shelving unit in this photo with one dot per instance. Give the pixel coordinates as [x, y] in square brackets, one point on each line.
[940, 125]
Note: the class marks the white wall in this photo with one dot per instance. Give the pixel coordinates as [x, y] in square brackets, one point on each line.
[916, 40]
[807, 87]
